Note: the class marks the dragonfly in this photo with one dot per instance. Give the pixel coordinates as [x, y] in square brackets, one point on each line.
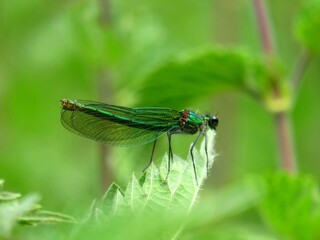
[123, 126]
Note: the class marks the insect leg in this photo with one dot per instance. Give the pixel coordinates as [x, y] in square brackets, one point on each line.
[191, 152]
[154, 145]
[206, 149]
[169, 153]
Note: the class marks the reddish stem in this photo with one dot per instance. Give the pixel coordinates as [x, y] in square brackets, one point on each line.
[282, 119]
[264, 27]
[285, 141]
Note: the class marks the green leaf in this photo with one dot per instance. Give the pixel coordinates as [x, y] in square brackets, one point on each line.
[194, 76]
[25, 211]
[308, 25]
[152, 193]
[182, 81]
[7, 196]
[10, 212]
[151, 207]
[43, 216]
[292, 206]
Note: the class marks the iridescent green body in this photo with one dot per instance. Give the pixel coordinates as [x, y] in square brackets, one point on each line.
[122, 126]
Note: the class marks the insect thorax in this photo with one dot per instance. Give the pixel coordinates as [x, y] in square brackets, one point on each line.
[190, 122]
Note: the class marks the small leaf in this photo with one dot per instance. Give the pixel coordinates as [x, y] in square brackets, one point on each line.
[308, 25]
[7, 196]
[45, 217]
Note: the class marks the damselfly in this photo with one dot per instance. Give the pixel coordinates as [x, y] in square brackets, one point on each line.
[122, 126]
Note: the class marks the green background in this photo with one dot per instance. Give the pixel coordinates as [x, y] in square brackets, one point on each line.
[51, 50]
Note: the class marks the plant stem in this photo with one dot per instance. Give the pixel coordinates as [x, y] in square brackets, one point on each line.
[284, 134]
[282, 119]
[104, 85]
[104, 89]
[264, 28]
[105, 13]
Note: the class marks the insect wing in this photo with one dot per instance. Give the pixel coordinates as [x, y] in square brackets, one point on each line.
[119, 126]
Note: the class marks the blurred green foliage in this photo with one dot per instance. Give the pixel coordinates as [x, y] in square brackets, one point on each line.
[183, 54]
[24, 211]
[307, 28]
[296, 213]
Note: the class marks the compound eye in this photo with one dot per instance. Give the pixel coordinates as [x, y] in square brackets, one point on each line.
[213, 122]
